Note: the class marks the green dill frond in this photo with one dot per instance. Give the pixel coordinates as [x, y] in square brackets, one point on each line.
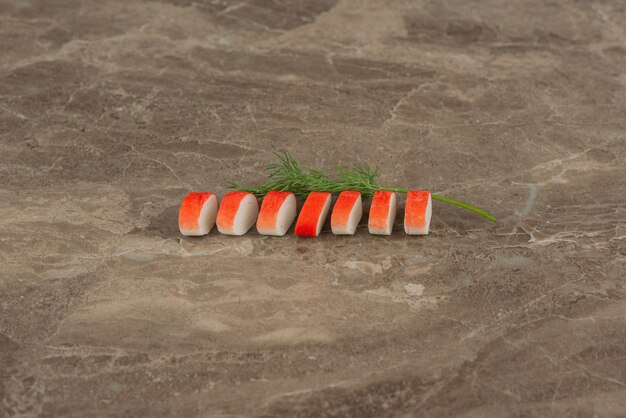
[287, 175]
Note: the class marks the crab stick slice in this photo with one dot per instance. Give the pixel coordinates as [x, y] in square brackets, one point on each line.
[313, 214]
[347, 213]
[417, 212]
[197, 213]
[278, 211]
[382, 213]
[237, 213]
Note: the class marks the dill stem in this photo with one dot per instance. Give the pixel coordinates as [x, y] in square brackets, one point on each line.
[451, 201]
[288, 176]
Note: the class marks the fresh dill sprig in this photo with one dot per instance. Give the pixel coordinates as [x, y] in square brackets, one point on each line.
[287, 175]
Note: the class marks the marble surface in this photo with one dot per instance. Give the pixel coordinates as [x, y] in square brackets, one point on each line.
[110, 112]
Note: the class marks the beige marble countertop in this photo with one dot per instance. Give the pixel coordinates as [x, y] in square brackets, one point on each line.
[110, 112]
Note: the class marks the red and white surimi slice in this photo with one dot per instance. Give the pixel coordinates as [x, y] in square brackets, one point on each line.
[237, 213]
[382, 213]
[278, 211]
[417, 212]
[197, 213]
[313, 214]
[347, 213]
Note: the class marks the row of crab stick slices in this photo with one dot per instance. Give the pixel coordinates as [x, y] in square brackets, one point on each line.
[239, 211]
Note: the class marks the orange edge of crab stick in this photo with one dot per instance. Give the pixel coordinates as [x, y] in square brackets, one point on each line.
[197, 213]
[238, 212]
[347, 213]
[313, 214]
[278, 211]
[382, 213]
[417, 212]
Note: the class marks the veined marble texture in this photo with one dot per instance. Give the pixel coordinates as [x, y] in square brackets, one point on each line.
[111, 111]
